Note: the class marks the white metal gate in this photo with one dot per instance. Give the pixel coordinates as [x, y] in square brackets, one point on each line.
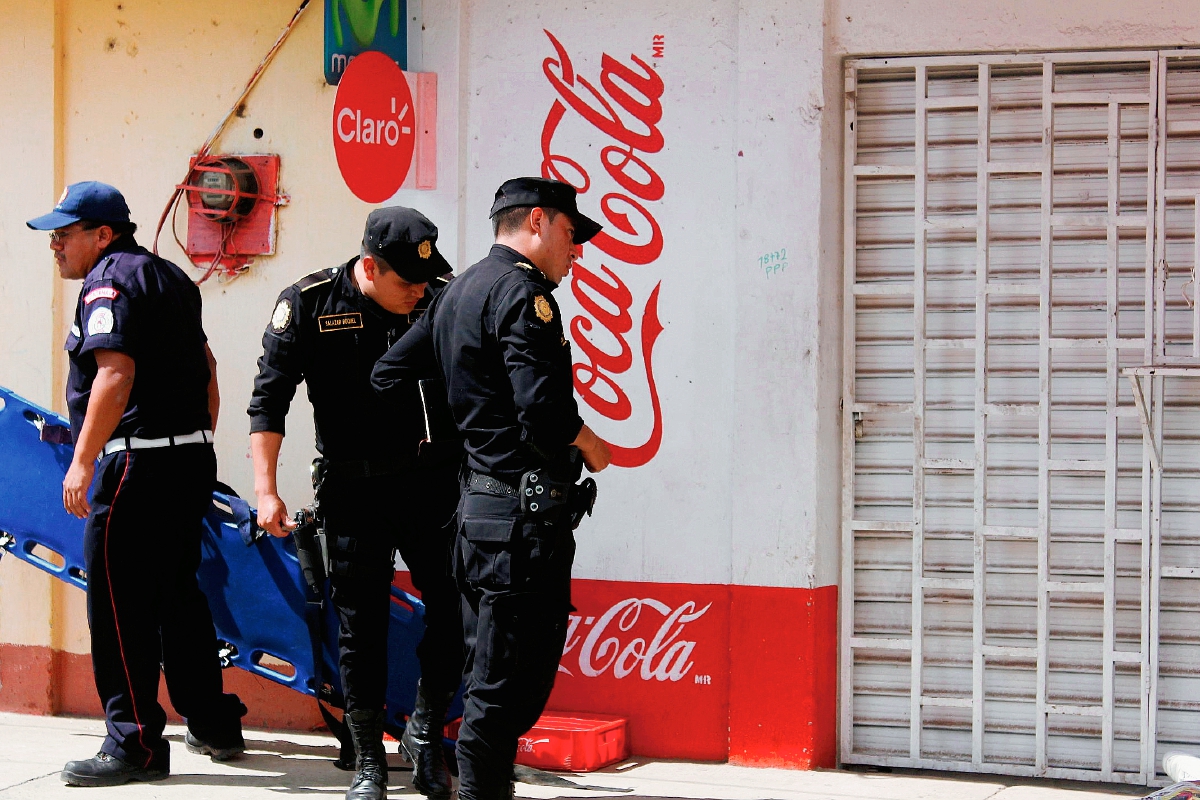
[1021, 577]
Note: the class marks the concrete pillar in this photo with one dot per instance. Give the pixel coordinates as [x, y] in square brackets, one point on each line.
[27, 299]
[786, 462]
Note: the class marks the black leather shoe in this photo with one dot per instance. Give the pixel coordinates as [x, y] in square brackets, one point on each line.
[370, 780]
[106, 770]
[421, 744]
[218, 749]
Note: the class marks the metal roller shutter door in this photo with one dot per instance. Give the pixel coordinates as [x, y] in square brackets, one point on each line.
[1003, 220]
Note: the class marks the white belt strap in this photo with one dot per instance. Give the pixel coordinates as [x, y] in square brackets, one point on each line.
[134, 443]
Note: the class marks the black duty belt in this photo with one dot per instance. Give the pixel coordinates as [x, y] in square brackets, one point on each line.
[486, 483]
[365, 468]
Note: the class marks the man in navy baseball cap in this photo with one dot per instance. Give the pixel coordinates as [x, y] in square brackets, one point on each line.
[89, 200]
[89, 218]
[143, 400]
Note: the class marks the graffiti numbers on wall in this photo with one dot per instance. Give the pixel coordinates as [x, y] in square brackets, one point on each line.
[773, 263]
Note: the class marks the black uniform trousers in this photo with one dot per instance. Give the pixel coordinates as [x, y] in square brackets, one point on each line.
[145, 608]
[514, 573]
[366, 519]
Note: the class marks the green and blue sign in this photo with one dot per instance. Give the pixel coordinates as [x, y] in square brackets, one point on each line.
[356, 26]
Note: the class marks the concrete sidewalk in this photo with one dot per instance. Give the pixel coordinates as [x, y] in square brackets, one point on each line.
[34, 749]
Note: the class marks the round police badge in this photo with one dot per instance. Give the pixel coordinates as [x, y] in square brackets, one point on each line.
[282, 316]
[541, 307]
[425, 249]
[100, 321]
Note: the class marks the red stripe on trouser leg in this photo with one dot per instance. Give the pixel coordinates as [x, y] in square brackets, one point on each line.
[112, 507]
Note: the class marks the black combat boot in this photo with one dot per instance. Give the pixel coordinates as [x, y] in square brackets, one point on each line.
[108, 770]
[366, 728]
[422, 744]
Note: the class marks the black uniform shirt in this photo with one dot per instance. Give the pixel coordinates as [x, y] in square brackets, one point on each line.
[496, 337]
[326, 332]
[134, 302]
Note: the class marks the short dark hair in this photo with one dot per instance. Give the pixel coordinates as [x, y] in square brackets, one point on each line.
[509, 220]
[119, 229]
[380, 263]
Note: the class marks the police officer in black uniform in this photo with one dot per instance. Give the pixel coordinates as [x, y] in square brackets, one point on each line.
[143, 400]
[381, 490]
[496, 336]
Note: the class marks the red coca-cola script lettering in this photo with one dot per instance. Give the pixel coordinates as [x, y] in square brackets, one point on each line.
[663, 656]
[632, 236]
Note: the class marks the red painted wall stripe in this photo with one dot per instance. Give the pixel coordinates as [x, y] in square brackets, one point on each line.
[744, 673]
[756, 684]
[783, 677]
[38, 680]
[656, 654]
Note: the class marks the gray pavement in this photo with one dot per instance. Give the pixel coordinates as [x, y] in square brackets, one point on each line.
[34, 749]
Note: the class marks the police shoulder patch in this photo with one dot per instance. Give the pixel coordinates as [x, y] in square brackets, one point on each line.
[100, 321]
[282, 316]
[541, 307]
[101, 293]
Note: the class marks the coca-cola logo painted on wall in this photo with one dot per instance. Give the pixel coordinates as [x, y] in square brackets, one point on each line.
[656, 654]
[624, 113]
[662, 656]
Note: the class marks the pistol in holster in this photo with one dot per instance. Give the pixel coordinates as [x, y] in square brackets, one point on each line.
[309, 537]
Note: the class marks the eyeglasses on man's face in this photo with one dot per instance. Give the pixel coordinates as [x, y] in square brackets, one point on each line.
[60, 235]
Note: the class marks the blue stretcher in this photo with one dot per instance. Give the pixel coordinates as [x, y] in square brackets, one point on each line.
[254, 583]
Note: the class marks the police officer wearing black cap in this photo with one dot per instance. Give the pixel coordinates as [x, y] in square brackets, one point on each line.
[143, 401]
[379, 493]
[496, 337]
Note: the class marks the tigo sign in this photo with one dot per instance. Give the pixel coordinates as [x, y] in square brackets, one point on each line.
[353, 27]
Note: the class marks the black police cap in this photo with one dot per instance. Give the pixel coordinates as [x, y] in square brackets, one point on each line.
[545, 193]
[407, 242]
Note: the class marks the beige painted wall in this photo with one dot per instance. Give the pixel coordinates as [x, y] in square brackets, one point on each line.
[142, 84]
[146, 84]
[26, 272]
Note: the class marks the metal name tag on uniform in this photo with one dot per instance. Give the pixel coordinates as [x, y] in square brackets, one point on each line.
[339, 322]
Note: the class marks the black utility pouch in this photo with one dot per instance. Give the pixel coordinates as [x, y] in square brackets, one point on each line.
[542, 495]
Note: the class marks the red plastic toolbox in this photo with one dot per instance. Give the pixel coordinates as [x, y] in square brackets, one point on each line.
[573, 742]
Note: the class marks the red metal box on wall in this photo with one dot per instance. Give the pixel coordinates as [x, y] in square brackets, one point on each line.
[573, 742]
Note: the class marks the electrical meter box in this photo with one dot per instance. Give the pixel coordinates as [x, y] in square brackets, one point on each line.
[253, 232]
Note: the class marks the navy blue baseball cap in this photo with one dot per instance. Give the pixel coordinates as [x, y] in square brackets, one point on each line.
[90, 200]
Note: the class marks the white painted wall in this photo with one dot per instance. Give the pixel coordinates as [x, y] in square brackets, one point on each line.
[869, 27]
[671, 519]
[785, 472]
[745, 486]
